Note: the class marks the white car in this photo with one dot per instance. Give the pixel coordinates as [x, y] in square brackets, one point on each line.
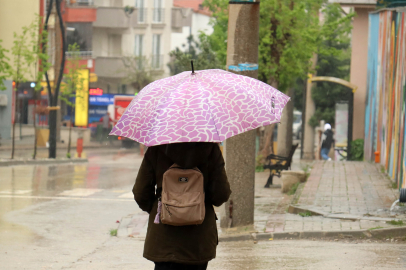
[297, 125]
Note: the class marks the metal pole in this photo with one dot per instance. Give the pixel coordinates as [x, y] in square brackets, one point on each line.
[242, 47]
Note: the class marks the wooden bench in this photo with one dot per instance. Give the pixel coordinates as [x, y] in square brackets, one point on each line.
[276, 164]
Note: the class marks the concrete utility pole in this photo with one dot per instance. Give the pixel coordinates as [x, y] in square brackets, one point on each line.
[242, 47]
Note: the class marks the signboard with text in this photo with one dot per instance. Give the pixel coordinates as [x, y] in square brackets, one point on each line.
[82, 99]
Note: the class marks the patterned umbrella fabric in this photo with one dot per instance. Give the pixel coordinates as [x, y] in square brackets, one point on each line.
[207, 106]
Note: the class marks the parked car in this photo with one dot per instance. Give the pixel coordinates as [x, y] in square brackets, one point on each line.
[297, 125]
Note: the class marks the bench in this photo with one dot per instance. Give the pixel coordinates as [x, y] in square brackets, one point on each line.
[276, 164]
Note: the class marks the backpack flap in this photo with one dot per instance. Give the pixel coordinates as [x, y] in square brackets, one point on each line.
[182, 197]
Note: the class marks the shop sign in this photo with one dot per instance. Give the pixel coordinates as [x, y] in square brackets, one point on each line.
[96, 91]
[82, 99]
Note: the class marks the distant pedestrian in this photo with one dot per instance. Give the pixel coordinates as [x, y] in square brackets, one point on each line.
[181, 166]
[327, 140]
[106, 120]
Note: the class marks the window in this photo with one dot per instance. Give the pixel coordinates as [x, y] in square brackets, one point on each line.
[156, 51]
[139, 4]
[138, 45]
[157, 3]
[156, 44]
[158, 15]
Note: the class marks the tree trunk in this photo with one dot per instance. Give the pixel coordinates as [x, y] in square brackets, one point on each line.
[34, 155]
[14, 92]
[52, 133]
[285, 127]
[70, 131]
[267, 140]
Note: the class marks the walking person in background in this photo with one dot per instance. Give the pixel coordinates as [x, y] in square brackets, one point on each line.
[181, 247]
[327, 140]
[106, 120]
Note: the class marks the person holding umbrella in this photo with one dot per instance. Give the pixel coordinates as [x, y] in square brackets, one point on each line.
[182, 119]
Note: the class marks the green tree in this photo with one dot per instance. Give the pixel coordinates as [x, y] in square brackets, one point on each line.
[19, 70]
[138, 72]
[199, 51]
[37, 62]
[4, 66]
[334, 62]
[290, 34]
[73, 83]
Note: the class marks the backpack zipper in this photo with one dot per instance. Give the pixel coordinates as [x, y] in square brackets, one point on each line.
[167, 209]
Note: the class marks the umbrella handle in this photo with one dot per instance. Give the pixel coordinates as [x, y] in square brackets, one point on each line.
[193, 69]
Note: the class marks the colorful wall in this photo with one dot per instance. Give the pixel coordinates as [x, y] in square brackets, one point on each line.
[386, 97]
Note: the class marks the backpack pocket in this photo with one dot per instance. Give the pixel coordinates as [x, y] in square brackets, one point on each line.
[182, 208]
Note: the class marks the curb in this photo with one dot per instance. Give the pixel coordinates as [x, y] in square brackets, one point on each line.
[377, 234]
[41, 161]
[296, 209]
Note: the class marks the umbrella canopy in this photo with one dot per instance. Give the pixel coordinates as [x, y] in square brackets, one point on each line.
[205, 106]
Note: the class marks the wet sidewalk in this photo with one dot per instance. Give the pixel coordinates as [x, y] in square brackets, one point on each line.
[352, 196]
[346, 195]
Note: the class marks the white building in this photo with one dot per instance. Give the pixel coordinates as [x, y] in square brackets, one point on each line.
[195, 18]
[117, 34]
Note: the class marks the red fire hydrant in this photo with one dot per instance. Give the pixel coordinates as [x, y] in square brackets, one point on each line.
[79, 144]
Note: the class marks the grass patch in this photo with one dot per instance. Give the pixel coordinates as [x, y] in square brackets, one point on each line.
[293, 188]
[305, 214]
[394, 185]
[375, 228]
[306, 170]
[395, 222]
[259, 169]
[113, 232]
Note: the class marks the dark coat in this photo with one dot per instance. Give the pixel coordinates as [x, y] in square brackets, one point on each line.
[194, 244]
[327, 139]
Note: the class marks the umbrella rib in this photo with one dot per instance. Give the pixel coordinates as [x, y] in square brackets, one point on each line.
[208, 104]
[164, 95]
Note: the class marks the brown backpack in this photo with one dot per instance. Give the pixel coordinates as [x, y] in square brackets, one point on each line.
[182, 200]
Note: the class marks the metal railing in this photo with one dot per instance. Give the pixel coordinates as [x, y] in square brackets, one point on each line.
[158, 15]
[142, 15]
[81, 54]
[79, 2]
[157, 62]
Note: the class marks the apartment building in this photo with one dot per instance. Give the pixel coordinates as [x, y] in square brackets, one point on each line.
[111, 32]
[194, 19]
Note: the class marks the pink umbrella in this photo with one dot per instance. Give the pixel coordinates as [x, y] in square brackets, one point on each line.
[204, 106]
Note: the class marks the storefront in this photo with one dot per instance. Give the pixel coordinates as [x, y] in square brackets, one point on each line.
[98, 106]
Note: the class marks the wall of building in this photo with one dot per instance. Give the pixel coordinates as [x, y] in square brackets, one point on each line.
[200, 22]
[385, 109]
[14, 15]
[358, 74]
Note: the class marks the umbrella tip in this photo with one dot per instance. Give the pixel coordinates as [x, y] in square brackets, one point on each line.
[193, 69]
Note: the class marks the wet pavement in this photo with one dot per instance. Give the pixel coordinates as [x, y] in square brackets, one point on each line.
[65, 210]
[59, 217]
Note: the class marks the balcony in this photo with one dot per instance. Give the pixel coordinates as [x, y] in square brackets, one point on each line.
[157, 62]
[142, 15]
[79, 11]
[110, 67]
[81, 55]
[79, 3]
[158, 15]
[115, 17]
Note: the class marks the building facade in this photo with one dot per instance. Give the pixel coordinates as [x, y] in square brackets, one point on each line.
[359, 56]
[385, 119]
[113, 34]
[193, 19]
